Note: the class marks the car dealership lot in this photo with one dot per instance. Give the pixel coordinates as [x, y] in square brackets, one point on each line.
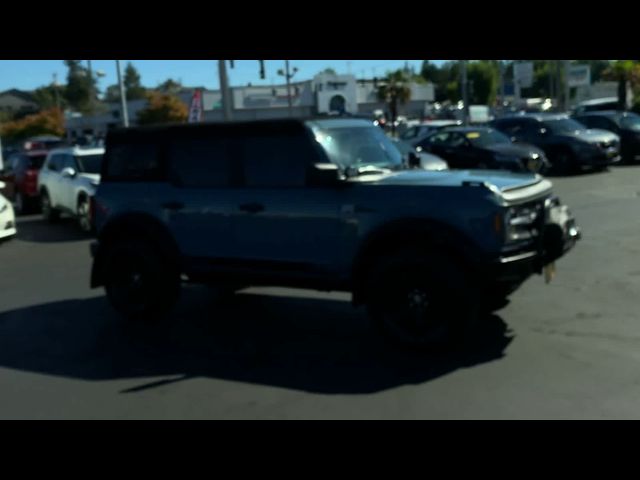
[564, 350]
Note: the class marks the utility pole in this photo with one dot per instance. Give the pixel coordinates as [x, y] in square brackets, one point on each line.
[286, 66]
[123, 97]
[55, 90]
[288, 76]
[502, 86]
[551, 94]
[224, 90]
[465, 93]
[559, 86]
[92, 111]
[567, 100]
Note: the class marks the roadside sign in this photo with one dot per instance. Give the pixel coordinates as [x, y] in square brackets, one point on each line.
[579, 75]
[523, 74]
[196, 108]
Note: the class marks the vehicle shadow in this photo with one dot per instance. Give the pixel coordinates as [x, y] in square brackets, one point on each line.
[308, 344]
[35, 229]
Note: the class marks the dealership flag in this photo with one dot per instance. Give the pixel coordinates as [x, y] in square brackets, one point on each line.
[196, 109]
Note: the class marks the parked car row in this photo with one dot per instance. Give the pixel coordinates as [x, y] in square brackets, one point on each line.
[537, 142]
[567, 143]
[7, 218]
[624, 124]
[55, 182]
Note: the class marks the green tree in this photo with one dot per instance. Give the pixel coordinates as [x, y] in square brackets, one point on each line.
[163, 108]
[329, 70]
[50, 96]
[170, 86]
[625, 72]
[394, 90]
[445, 79]
[112, 94]
[483, 79]
[132, 84]
[77, 93]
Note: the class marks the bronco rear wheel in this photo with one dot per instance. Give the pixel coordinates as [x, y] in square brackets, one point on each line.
[140, 283]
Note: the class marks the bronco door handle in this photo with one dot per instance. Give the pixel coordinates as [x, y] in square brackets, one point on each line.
[252, 207]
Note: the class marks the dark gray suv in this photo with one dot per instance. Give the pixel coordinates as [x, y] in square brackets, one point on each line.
[322, 204]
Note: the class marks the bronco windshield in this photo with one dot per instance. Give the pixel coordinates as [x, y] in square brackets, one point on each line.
[358, 146]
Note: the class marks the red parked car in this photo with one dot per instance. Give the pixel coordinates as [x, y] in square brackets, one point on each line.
[20, 174]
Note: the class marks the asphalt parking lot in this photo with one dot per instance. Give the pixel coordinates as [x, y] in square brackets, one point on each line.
[570, 349]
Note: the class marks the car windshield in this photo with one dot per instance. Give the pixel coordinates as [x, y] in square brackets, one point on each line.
[485, 138]
[89, 163]
[631, 122]
[563, 125]
[358, 147]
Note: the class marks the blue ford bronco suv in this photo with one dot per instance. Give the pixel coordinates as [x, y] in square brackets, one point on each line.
[326, 204]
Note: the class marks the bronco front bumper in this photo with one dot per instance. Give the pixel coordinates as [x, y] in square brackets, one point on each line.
[560, 233]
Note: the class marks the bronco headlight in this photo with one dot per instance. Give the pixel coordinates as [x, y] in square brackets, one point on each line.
[520, 223]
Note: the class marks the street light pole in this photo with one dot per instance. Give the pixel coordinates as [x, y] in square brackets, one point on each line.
[224, 90]
[123, 97]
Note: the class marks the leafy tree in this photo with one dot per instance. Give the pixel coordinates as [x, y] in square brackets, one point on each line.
[625, 72]
[393, 90]
[50, 96]
[446, 79]
[133, 87]
[112, 94]
[163, 108]
[170, 86]
[78, 91]
[49, 121]
[329, 70]
[483, 79]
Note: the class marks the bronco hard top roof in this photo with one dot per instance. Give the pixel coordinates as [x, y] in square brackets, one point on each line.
[291, 125]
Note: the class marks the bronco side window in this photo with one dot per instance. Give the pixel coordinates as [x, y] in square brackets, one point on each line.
[130, 161]
[200, 162]
[276, 160]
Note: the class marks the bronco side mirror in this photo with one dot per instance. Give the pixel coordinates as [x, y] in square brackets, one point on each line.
[323, 175]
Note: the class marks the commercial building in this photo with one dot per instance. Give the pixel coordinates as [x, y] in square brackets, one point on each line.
[325, 93]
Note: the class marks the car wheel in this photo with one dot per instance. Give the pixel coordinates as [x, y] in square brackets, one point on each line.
[421, 300]
[84, 215]
[566, 162]
[19, 205]
[140, 283]
[49, 213]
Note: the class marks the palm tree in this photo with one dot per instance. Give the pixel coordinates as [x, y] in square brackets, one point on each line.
[624, 72]
[393, 90]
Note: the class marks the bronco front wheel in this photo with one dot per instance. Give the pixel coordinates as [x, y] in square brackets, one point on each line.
[421, 300]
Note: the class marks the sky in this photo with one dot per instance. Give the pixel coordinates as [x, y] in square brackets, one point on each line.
[31, 74]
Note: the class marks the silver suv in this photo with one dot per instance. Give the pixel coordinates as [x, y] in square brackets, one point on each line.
[67, 182]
